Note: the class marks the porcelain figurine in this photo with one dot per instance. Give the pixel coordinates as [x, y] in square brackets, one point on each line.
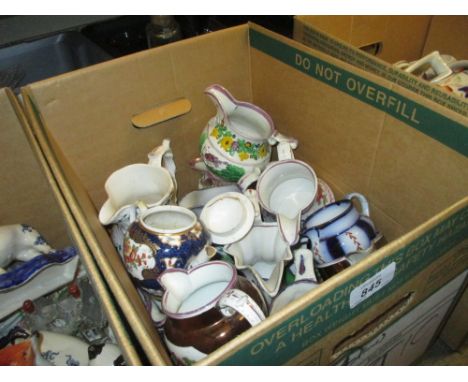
[20, 242]
[339, 230]
[206, 307]
[105, 355]
[238, 139]
[63, 350]
[163, 237]
[40, 273]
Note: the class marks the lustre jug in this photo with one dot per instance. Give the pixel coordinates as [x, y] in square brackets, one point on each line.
[206, 307]
[238, 139]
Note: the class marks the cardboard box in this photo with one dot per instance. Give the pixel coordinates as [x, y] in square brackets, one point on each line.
[455, 331]
[28, 190]
[403, 342]
[394, 37]
[401, 37]
[358, 131]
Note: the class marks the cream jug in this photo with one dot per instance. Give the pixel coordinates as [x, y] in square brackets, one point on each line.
[238, 139]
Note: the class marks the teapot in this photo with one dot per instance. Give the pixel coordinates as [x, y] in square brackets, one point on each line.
[339, 230]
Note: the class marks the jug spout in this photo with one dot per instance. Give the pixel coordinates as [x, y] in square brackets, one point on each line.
[223, 100]
[289, 227]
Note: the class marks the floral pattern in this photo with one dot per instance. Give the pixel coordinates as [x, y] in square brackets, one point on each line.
[146, 255]
[233, 145]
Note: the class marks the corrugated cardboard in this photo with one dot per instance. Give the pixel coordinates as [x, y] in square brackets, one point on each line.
[403, 342]
[406, 40]
[449, 35]
[25, 196]
[358, 131]
[400, 37]
[30, 195]
[455, 331]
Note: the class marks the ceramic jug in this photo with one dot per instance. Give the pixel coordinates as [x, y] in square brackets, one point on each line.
[286, 189]
[153, 184]
[163, 237]
[238, 139]
[206, 307]
[339, 230]
[262, 255]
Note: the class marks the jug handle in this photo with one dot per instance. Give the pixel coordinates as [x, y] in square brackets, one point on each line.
[162, 156]
[253, 197]
[243, 304]
[277, 137]
[248, 179]
[362, 201]
[285, 151]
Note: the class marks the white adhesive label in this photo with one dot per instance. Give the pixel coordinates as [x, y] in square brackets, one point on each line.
[371, 286]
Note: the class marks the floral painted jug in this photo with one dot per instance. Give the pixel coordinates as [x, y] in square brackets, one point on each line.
[238, 139]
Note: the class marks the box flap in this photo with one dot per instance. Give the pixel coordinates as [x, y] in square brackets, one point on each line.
[25, 196]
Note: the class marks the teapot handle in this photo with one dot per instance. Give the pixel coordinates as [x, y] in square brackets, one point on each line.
[243, 304]
[362, 201]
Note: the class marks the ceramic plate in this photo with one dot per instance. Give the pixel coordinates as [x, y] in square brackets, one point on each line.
[228, 217]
